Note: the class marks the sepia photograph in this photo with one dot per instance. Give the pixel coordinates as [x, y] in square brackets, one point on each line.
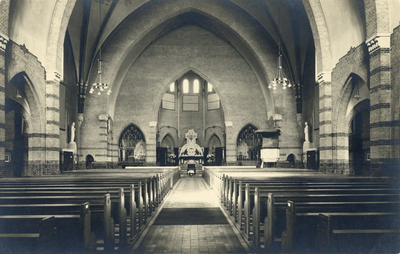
[199, 126]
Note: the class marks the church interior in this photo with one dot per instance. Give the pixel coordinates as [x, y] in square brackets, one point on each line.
[199, 126]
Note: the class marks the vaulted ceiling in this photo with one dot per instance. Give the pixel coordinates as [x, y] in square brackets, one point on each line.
[286, 22]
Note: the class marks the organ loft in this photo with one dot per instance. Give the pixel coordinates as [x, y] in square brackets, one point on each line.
[199, 126]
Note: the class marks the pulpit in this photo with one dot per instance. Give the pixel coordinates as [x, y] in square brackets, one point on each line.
[269, 152]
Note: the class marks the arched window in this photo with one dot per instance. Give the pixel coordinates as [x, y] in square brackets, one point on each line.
[185, 86]
[196, 86]
[209, 87]
[172, 87]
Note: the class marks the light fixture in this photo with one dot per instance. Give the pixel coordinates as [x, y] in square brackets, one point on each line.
[100, 87]
[280, 79]
[17, 95]
[357, 96]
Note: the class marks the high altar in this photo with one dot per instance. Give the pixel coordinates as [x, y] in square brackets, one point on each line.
[191, 152]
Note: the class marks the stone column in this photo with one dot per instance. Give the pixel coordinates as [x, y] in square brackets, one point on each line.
[3, 45]
[151, 144]
[230, 155]
[101, 153]
[325, 122]
[53, 79]
[81, 159]
[380, 106]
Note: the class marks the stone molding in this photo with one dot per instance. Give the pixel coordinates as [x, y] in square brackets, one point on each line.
[378, 41]
[3, 42]
[325, 76]
[53, 76]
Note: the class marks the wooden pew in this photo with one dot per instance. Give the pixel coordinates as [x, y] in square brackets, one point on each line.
[48, 193]
[375, 190]
[55, 231]
[359, 237]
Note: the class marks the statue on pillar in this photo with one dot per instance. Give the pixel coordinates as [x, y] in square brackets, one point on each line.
[306, 133]
[72, 133]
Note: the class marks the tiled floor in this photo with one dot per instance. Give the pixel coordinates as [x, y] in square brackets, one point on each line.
[191, 192]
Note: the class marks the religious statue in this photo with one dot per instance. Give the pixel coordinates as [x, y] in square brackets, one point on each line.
[72, 132]
[306, 133]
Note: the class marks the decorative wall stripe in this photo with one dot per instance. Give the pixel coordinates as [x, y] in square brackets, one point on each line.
[325, 148]
[334, 135]
[290, 147]
[103, 127]
[385, 142]
[103, 141]
[380, 69]
[53, 109]
[103, 134]
[379, 106]
[385, 124]
[92, 148]
[43, 135]
[101, 155]
[42, 149]
[54, 96]
[322, 110]
[325, 122]
[381, 87]
[380, 50]
[325, 96]
[53, 122]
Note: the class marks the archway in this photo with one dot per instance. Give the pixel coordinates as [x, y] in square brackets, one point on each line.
[89, 161]
[18, 118]
[132, 146]
[359, 148]
[215, 155]
[16, 145]
[167, 153]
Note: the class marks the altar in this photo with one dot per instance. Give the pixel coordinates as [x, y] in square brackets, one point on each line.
[191, 153]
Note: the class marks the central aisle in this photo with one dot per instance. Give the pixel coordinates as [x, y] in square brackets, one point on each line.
[191, 221]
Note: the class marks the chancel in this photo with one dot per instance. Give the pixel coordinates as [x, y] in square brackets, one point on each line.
[199, 126]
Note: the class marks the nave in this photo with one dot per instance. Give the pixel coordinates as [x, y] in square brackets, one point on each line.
[191, 221]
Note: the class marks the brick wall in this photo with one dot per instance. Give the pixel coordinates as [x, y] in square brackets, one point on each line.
[169, 57]
[395, 99]
[351, 68]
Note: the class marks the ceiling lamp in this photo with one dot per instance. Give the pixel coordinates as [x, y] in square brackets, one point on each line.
[357, 96]
[100, 87]
[280, 79]
[17, 96]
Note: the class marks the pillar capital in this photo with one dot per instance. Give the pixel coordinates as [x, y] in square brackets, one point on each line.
[52, 75]
[325, 76]
[228, 123]
[80, 119]
[378, 41]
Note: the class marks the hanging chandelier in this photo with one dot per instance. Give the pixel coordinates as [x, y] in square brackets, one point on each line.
[280, 79]
[99, 87]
